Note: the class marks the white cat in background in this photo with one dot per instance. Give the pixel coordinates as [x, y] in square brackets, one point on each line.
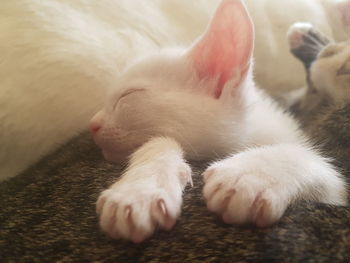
[58, 58]
[198, 103]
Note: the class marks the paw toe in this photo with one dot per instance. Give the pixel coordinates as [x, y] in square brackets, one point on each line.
[108, 215]
[269, 208]
[161, 215]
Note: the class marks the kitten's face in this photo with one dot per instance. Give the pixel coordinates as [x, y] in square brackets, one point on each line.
[161, 96]
[194, 96]
[330, 72]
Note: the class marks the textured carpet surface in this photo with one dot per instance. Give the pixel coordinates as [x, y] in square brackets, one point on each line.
[47, 214]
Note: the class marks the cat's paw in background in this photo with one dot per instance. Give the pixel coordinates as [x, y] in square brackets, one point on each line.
[149, 194]
[327, 66]
[305, 42]
[242, 190]
[296, 34]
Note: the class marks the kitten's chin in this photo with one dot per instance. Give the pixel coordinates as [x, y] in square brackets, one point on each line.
[114, 157]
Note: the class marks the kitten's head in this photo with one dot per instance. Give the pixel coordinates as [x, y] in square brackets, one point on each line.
[194, 95]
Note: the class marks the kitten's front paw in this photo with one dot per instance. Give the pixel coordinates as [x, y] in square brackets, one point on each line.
[243, 195]
[133, 208]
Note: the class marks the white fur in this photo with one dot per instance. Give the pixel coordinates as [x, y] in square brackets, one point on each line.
[270, 163]
[59, 58]
[156, 177]
[258, 184]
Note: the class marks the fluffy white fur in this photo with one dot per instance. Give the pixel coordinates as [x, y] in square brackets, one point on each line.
[202, 102]
[162, 194]
[60, 57]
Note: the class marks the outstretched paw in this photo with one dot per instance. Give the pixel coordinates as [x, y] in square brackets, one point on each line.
[134, 208]
[242, 195]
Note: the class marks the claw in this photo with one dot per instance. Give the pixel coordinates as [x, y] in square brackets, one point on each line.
[190, 180]
[256, 207]
[208, 173]
[227, 200]
[128, 217]
[136, 237]
[161, 205]
[186, 176]
[261, 219]
[217, 188]
[127, 213]
[168, 221]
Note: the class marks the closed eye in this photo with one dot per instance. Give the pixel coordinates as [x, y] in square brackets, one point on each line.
[126, 93]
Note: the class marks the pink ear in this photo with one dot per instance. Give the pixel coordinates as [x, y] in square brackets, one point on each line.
[226, 48]
[344, 8]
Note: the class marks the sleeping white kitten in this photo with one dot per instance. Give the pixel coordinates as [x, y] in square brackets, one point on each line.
[59, 58]
[198, 103]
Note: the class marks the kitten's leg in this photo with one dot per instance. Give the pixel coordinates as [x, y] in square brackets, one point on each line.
[257, 185]
[148, 195]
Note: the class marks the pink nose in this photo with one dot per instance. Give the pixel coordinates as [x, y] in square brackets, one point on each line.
[94, 127]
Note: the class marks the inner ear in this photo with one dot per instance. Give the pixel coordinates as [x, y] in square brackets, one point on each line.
[225, 50]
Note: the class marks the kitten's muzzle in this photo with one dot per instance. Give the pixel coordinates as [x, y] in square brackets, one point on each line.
[94, 128]
[96, 123]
